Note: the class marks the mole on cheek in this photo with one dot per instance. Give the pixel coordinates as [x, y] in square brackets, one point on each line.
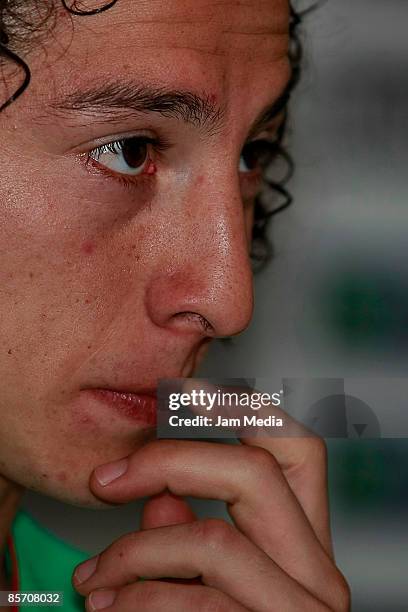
[88, 247]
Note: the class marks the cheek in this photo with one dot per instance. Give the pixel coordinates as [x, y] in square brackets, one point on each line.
[68, 265]
[64, 272]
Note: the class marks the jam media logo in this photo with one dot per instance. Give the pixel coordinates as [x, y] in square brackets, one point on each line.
[216, 408]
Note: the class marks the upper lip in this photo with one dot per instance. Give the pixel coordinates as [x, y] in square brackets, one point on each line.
[149, 388]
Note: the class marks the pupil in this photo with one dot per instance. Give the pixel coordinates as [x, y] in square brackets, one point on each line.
[134, 152]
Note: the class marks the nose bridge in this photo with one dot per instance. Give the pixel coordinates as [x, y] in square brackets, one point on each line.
[222, 243]
[211, 273]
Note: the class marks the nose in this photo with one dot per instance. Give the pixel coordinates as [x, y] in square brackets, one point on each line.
[204, 282]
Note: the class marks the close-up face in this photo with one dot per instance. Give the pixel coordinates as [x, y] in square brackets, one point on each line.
[127, 202]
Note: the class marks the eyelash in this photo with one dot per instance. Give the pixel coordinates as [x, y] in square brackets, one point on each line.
[159, 145]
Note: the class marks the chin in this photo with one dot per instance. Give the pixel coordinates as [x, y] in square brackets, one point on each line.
[62, 470]
[80, 499]
[69, 482]
[72, 492]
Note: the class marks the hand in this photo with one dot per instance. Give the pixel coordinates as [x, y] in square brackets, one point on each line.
[277, 557]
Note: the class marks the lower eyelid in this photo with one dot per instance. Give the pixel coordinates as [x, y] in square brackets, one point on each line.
[251, 180]
[97, 169]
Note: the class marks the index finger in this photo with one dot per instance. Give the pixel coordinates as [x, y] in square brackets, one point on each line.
[302, 456]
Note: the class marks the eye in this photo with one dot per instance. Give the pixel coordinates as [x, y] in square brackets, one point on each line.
[257, 155]
[129, 156]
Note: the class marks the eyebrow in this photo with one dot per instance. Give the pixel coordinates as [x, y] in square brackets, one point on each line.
[116, 101]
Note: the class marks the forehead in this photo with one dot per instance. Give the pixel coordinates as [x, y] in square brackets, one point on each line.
[222, 44]
[210, 25]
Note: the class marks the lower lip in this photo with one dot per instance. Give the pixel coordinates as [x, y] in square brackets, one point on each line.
[141, 409]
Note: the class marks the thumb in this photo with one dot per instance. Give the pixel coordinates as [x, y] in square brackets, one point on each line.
[166, 509]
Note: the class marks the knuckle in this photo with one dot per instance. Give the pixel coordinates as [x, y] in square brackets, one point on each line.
[215, 533]
[262, 462]
[317, 449]
[123, 546]
[312, 452]
[341, 593]
[118, 554]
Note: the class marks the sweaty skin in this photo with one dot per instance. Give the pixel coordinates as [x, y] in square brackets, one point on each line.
[111, 284]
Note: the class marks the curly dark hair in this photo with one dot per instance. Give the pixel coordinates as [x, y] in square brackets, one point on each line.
[17, 32]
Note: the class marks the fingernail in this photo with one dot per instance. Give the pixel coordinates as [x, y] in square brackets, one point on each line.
[105, 474]
[98, 600]
[85, 570]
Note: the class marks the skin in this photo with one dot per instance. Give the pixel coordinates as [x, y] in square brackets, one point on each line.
[103, 285]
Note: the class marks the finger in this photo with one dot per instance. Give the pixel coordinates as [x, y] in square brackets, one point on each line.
[248, 479]
[304, 465]
[166, 509]
[213, 549]
[301, 454]
[154, 596]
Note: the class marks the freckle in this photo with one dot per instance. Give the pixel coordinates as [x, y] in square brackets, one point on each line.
[87, 301]
[88, 247]
[31, 275]
[134, 246]
[44, 475]
[90, 346]
[9, 351]
[121, 554]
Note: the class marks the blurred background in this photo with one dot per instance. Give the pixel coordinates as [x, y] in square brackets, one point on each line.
[334, 301]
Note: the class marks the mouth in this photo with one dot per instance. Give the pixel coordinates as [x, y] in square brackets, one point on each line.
[140, 407]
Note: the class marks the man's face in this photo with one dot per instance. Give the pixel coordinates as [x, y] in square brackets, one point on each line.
[118, 266]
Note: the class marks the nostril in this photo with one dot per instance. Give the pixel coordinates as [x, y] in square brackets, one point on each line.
[197, 318]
